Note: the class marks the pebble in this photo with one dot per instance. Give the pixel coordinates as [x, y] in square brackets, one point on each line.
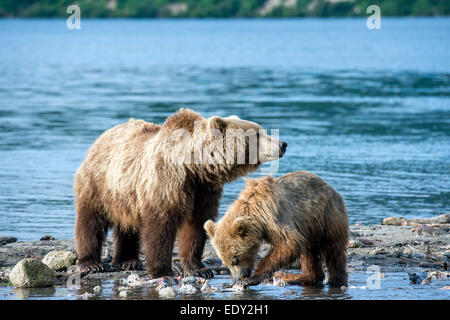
[394, 221]
[97, 289]
[47, 237]
[355, 244]
[133, 280]
[125, 293]
[377, 251]
[417, 278]
[418, 255]
[189, 280]
[188, 289]
[168, 292]
[366, 242]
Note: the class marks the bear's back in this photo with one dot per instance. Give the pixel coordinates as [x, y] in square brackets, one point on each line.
[305, 196]
[113, 167]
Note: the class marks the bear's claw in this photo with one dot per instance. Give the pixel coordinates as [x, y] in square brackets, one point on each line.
[252, 281]
[200, 272]
[93, 266]
[128, 265]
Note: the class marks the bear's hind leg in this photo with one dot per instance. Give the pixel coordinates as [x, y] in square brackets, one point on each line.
[90, 230]
[126, 253]
[336, 261]
[312, 271]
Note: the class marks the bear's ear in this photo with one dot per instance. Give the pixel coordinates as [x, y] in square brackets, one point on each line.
[210, 227]
[241, 226]
[217, 123]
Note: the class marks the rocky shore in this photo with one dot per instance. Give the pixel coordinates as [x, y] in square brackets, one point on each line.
[398, 245]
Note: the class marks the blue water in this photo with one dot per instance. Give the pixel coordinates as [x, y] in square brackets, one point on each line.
[368, 110]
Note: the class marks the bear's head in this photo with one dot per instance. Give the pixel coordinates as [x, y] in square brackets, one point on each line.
[219, 149]
[236, 243]
[246, 142]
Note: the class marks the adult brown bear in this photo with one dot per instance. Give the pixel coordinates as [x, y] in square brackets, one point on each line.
[151, 181]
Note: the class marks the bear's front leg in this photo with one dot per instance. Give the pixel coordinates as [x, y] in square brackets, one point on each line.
[192, 235]
[280, 256]
[157, 240]
[191, 242]
[90, 230]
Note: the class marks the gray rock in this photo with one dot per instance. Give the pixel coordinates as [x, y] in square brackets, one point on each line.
[4, 275]
[415, 278]
[189, 280]
[418, 255]
[188, 289]
[167, 292]
[31, 273]
[47, 237]
[400, 221]
[60, 260]
[125, 293]
[5, 240]
[377, 251]
[98, 289]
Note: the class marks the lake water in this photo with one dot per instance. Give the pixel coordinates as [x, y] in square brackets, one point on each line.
[393, 286]
[367, 110]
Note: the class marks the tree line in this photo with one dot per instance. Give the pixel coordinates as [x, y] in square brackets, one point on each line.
[221, 8]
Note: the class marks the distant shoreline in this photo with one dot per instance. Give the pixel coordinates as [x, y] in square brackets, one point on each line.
[226, 18]
[225, 8]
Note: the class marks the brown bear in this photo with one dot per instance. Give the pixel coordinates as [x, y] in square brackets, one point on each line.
[152, 181]
[299, 215]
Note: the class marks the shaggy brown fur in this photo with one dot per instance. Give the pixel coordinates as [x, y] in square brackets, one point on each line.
[129, 181]
[299, 214]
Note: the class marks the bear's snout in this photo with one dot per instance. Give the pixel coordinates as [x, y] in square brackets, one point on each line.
[247, 272]
[239, 273]
[283, 146]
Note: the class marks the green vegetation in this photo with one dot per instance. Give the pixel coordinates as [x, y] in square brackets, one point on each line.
[222, 8]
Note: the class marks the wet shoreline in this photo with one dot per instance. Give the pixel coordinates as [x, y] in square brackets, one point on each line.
[406, 248]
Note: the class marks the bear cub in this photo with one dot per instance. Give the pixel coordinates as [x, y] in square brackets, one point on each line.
[299, 215]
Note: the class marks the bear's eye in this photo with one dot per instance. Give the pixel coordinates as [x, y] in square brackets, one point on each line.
[235, 261]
